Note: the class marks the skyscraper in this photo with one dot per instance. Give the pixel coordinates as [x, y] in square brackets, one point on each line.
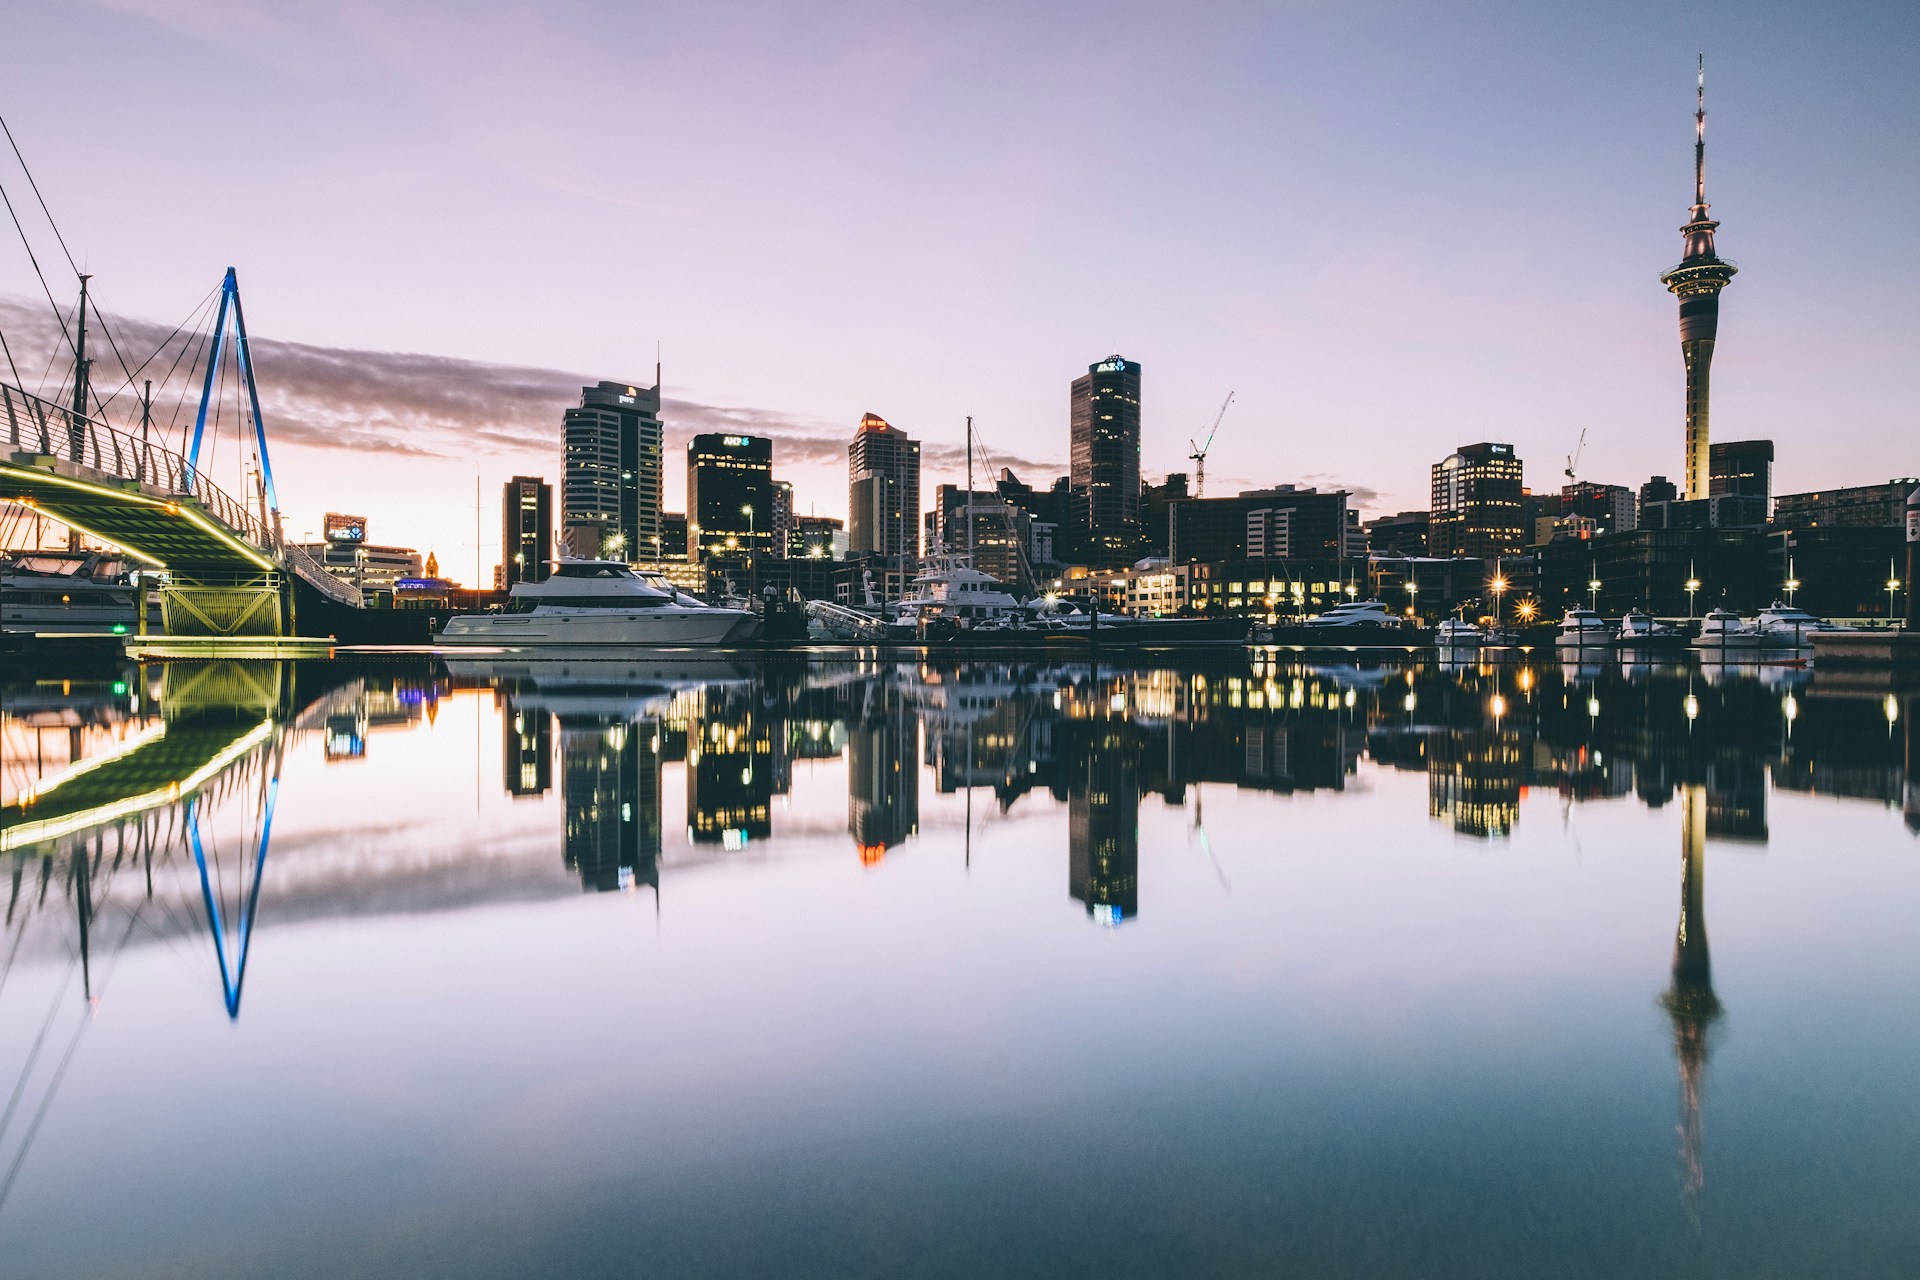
[1104, 466]
[1477, 503]
[610, 495]
[729, 495]
[883, 492]
[526, 530]
[1697, 282]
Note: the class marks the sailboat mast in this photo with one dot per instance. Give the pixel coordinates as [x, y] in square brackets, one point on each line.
[969, 488]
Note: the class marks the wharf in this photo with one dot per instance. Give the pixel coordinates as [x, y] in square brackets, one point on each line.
[1898, 649]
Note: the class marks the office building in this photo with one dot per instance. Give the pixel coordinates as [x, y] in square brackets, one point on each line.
[1401, 534]
[1697, 283]
[783, 522]
[1282, 523]
[998, 532]
[883, 493]
[673, 535]
[1477, 503]
[1599, 508]
[526, 531]
[610, 493]
[817, 538]
[1743, 467]
[729, 496]
[346, 554]
[1104, 462]
[1868, 505]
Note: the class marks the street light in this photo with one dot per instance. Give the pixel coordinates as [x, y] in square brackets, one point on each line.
[1498, 586]
[1593, 594]
[1893, 585]
[1693, 585]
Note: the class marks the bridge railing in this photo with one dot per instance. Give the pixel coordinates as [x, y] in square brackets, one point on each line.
[40, 426]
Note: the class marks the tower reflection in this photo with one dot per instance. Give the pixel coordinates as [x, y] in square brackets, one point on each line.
[1689, 1000]
[883, 774]
[610, 782]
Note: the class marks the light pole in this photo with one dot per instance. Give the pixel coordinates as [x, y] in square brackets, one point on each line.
[1893, 585]
[1693, 585]
[1498, 586]
[1413, 594]
[1593, 594]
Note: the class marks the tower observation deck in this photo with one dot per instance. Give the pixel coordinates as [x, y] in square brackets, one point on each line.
[1697, 282]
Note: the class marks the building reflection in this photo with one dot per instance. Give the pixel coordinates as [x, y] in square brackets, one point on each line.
[1103, 826]
[883, 774]
[731, 769]
[526, 767]
[610, 782]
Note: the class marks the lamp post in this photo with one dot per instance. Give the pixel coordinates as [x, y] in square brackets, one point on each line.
[1498, 586]
[1893, 585]
[1413, 594]
[1693, 585]
[1593, 594]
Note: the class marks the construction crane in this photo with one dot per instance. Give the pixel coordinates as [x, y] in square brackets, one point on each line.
[1199, 454]
[1573, 459]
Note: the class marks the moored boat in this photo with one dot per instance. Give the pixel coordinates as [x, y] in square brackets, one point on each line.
[1723, 631]
[1584, 629]
[598, 604]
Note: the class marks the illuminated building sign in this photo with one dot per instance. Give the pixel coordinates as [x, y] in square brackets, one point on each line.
[736, 442]
[342, 528]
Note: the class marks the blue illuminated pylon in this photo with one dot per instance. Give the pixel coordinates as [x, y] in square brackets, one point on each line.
[232, 979]
[230, 300]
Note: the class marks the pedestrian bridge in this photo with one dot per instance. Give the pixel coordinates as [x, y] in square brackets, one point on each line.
[227, 571]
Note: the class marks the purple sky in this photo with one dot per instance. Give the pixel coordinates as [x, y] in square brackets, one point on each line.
[1390, 228]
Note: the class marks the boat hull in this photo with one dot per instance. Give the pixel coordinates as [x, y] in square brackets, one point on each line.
[654, 628]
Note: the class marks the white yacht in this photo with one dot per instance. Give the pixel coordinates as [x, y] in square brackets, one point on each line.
[950, 589]
[1787, 627]
[1457, 633]
[1640, 632]
[1584, 629]
[1722, 631]
[65, 591]
[1357, 613]
[597, 603]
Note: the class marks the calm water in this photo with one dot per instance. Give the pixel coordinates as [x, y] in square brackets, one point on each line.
[844, 969]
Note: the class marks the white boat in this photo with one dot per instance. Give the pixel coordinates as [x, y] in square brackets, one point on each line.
[1722, 631]
[1457, 633]
[1584, 629]
[1787, 627]
[65, 591]
[949, 589]
[597, 603]
[1640, 632]
[1357, 613]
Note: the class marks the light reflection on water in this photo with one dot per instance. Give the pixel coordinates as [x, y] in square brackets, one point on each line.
[1346, 969]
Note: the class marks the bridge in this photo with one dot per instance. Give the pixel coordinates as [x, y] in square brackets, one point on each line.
[227, 567]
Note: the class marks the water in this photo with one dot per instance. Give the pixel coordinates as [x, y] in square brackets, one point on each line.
[723, 968]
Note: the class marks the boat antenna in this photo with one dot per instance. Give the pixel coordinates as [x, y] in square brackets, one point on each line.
[969, 488]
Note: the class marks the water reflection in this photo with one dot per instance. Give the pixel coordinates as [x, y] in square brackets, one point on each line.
[137, 806]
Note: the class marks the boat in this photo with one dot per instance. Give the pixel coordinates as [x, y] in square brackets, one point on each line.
[1723, 631]
[1584, 629]
[1357, 613]
[597, 603]
[1786, 627]
[949, 594]
[1640, 633]
[1457, 633]
[67, 592]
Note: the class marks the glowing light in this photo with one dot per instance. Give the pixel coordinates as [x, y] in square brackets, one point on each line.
[1409, 702]
[1790, 707]
[1498, 705]
[1892, 708]
[1693, 707]
[1593, 706]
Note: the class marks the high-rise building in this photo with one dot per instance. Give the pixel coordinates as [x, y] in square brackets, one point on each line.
[610, 494]
[526, 531]
[883, 493]
[817, 538]
[1607, 508]
[783, 521]
[1477, 499]
[1743, 467]
[1697, 282]
[1104, 464]
[1282, 523]
[1403, 534]
[729, 495]
[1867, 505]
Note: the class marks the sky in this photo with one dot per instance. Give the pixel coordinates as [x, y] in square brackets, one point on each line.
[1388, 228]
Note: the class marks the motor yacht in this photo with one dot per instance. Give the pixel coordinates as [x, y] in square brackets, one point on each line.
[1640, 633]
[1790, 628]
[949, 589]
[1723, 631]
[597, 603]
[1357, 613]
[64, 591]
[1457, 633]
[1584, 629]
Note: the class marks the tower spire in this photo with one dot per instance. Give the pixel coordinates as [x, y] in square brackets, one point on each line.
[1700, 138]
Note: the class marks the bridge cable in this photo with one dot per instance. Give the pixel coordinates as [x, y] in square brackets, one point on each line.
[31, 257]
[161, 349]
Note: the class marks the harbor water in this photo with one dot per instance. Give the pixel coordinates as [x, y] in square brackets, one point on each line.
[892, 966]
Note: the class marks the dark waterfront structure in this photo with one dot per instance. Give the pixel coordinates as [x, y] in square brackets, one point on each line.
[1477, 503]
[526, 531]
[883, 491]
[1403, 534]
[1104, 465]
[1697, 282]
[1882, 506]
[1743, 467]
[1282, 523]
[610, 493]
[729, 495]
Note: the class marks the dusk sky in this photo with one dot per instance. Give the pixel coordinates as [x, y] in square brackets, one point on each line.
[1390, 228]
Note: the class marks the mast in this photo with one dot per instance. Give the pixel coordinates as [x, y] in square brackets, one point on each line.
[970, 490]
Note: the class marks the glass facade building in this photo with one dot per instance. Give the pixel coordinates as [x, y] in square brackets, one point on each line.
[610, 493]
[1104, 464]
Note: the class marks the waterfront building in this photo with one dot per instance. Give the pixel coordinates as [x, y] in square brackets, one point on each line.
[729, 495]
[1604, 508]
[1867, 505]
[673, 536]
[1742, 467]
[1282, 523]
[610, 492]
[347, 555]
[883, 493]
[1000, 532]
[783, 521]
[1697, 283]
[526, 531]
[1476, 509]
[1657, 490]
[1401, 534]
[1104, 459]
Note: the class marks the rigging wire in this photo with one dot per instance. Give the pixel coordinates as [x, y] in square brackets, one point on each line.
[161, 349]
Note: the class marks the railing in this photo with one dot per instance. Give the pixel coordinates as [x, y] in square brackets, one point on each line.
[52, 430]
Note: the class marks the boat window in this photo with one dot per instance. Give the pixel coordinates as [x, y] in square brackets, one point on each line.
[594, 570]
[527, 604]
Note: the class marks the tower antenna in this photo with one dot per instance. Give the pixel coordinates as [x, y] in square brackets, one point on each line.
[1700, 132]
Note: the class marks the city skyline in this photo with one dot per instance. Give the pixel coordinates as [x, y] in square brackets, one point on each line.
[1287, 301]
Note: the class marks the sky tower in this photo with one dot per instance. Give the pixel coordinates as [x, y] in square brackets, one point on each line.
[1697, 282]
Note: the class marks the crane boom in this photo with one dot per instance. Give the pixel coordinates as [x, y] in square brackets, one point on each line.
[1573, 459]
[1199, 454]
